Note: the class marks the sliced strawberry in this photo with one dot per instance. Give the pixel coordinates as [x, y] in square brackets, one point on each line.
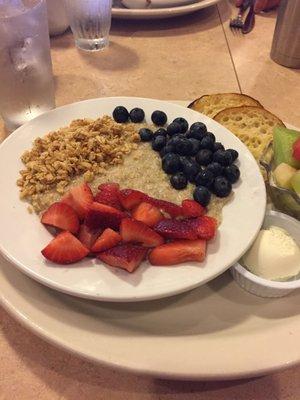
[106, 240]
[296, 150]
[101, 216]
[170, 208]
[125, 256]
[204, 226]
[130, 198]
[147, 213]
[175, 229]
[87, 236]
[192, 209]
[178, 252]
[80, 198]
[138, 232]
[61, 216]
[65, 249]
[108, 194]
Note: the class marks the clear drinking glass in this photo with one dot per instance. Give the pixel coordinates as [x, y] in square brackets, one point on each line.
[26, 80]
[90, 22]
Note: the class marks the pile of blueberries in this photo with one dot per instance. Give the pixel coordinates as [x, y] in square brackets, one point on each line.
[189, 154]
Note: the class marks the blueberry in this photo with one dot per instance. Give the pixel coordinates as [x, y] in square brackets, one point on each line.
[173, 128]
[145, 134]
[207, 142]
[171, 163]
[218, 146]
[195, 146]
[215, 168]
[173, 140]
[222, 157]
[221, 186]
[160, 131]
[158, 143]
[170, 148]
[183, 147]
[120, 114]
[159, 118]
[232, 173]
[204, 157]
[183, 123]
[204, 178]
[202, 195]
[197, 130]
[137, 115]
[163, 152]
[190, 169]
[166, 150]
[234, 154]
[178, 181]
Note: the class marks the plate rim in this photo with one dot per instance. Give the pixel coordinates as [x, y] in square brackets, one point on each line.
[82, 293]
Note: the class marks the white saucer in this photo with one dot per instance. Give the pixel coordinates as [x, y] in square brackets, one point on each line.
[158, 13]
[215, 332]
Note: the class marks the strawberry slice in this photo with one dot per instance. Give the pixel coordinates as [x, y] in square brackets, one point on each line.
[204, 226]
[87, 236]
[80, 198]
[125, 256]
[296, 150]
[65, 249]
[108, 194]
[192, 209]
[138, 232]
[101, 216]
[170, 208]
[147, 213]
[175, 229]
[178, 252]
[61, 216]
[106, 240]
[130, 198]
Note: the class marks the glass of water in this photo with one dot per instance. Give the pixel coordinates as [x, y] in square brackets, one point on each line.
[26, 84]
[90, 22]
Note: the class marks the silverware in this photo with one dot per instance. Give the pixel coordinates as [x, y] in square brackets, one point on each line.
[237, 23]
[250, 20]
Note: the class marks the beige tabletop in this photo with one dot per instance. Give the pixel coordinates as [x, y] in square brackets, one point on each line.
[171, 59]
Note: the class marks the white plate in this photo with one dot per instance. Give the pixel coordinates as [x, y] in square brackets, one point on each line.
[157, 13]
[215, 332]
[146, 4]
[24, 236]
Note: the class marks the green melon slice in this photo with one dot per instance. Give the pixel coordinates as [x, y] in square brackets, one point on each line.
[284, 139]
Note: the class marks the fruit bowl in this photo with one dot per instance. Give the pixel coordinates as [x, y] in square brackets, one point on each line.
[284, 200]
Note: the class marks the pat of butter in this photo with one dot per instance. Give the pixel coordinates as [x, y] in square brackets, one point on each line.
[274, 255]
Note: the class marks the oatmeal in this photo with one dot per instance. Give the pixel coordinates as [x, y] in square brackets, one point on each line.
[85, 148]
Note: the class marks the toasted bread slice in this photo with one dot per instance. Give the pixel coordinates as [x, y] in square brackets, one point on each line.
[252, 125]
[212, 104]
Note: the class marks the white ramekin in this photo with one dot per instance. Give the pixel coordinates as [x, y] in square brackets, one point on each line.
[264, 287]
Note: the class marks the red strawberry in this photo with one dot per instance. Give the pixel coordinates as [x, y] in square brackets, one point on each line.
[147, 213]
[65, 249]
[192, 209]
[138, 232]
[80, 198]
[61, 216]
[87, 236]
[172, 209]
[296, 150]
[125, 256]
[101, 216]
[108, 194]
[106, 240]
[175, 229]
[178, 252]
[130, 198]
[204, 226]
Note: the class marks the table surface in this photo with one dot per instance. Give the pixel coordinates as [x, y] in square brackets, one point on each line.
[182, 58]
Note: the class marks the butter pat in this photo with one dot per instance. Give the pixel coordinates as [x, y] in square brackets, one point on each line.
[274, 255]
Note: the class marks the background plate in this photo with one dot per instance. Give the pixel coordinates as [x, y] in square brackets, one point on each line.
[24, 236]
[154, 13]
